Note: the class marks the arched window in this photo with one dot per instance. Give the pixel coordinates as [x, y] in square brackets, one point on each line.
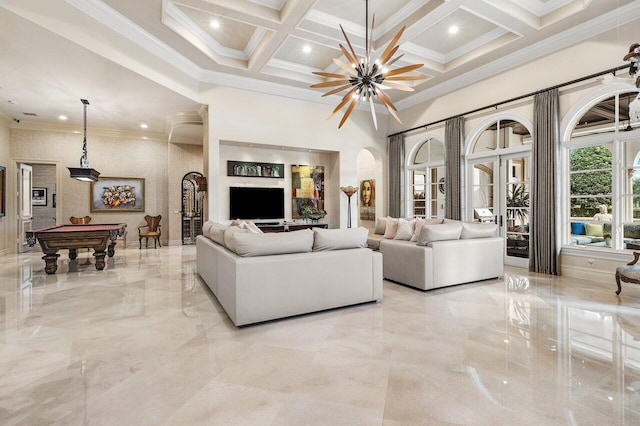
[426, 169]
[601, 196]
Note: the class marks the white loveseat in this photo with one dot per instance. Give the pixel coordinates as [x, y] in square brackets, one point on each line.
[261, 277]
[444, 255]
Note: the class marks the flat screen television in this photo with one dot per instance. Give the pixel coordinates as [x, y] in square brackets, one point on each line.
[256, 203]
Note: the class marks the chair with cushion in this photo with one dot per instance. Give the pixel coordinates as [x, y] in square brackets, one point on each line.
[152, 230]
[80, 220]
[629, 273]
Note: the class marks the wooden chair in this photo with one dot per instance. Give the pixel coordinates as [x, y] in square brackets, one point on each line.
[629, 273]
[152, 231]
[80, 220]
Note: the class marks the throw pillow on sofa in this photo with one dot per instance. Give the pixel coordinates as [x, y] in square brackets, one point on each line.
[422, 222]
[443, 232]
[339, 239]
[405, 229]
[391, 228]
[229, 233]
[577, 228]
[216, 233]
[381, 224]
[251, 245]
[478, 230]
[594, 229]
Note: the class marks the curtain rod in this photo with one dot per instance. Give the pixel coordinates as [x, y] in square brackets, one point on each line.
[517, 98]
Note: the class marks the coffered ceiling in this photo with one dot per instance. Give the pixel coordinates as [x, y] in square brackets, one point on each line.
[273, 46]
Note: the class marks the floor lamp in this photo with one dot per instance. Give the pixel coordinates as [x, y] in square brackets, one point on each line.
[349, 190]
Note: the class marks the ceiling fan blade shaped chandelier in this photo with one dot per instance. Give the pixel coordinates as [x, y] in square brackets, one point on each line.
[364, 79]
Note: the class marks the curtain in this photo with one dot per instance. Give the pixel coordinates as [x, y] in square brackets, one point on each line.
[396, 175]
[543, 255]
[454, 137]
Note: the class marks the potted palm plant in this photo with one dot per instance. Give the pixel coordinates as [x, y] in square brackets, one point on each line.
[517, 203]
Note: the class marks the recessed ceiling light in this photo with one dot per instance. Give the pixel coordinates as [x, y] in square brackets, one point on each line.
[144, 125]
[214, 23]
[453, 29]
[62, 117]
[306, 48]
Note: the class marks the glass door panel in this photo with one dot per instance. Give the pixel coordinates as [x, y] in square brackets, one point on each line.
[516, 181]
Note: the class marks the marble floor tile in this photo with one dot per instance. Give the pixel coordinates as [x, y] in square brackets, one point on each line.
[145, 342]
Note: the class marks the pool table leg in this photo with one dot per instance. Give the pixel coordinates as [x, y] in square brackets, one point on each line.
[99, 255]
[51, 262]
[111, 249]
[73, 253]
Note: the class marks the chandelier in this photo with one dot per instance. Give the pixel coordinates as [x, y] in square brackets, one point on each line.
[364, 79]
[84, 173]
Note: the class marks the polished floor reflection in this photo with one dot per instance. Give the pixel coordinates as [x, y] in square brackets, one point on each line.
[143, 342]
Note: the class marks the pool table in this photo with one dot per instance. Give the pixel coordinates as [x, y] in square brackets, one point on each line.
[100, 237]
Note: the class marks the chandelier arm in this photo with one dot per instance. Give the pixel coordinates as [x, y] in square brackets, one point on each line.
[328, 74]
[373, 113]
[402, 70]
[392, 61]
[348, 112]
[392, 43]
[386, 101]
[352, 49]
[329, 84]
[345, 67]
[370, 42]
[347, 55]
[345, 99]
[384, 58]
[339, 89]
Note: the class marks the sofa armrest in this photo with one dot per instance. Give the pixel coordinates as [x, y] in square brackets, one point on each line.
[407, 263]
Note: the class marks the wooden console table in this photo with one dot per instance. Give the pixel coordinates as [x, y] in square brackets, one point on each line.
[287, 227]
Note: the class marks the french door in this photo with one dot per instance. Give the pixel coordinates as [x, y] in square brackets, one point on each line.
[25, 211]
[500, 186]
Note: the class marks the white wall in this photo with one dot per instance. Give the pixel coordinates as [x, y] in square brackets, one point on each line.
[288, 158]
[366, 170]
[260, 119]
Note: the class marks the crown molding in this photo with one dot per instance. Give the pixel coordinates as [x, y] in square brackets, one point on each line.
[476, 43]
[605, 22]
[541, 9]
[95, 131]
[126, 28]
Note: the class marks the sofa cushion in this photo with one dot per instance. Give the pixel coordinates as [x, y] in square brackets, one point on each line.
[631, 230]
[442, 232]
[381, 224]
[478, 230]
[405, 229]
[338, 239]
[249, 244]
[216, 233]
[391, 228]
[206, 227]
[594, 229]
[229, 241]
[577, 228]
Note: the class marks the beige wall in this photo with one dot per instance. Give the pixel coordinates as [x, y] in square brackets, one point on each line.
[8, 222]
[183, 158]
[112, 157]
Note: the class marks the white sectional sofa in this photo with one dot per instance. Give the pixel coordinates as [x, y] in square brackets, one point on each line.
[260, 277]
[443, 255]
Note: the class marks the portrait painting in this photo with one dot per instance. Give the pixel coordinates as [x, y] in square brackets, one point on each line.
[367, 193]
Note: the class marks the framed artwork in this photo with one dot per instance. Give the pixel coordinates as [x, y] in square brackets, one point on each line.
[307, 189]
[38, 196]
[115, 194]
[367, 199]
[251, 169]
[3, 190]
